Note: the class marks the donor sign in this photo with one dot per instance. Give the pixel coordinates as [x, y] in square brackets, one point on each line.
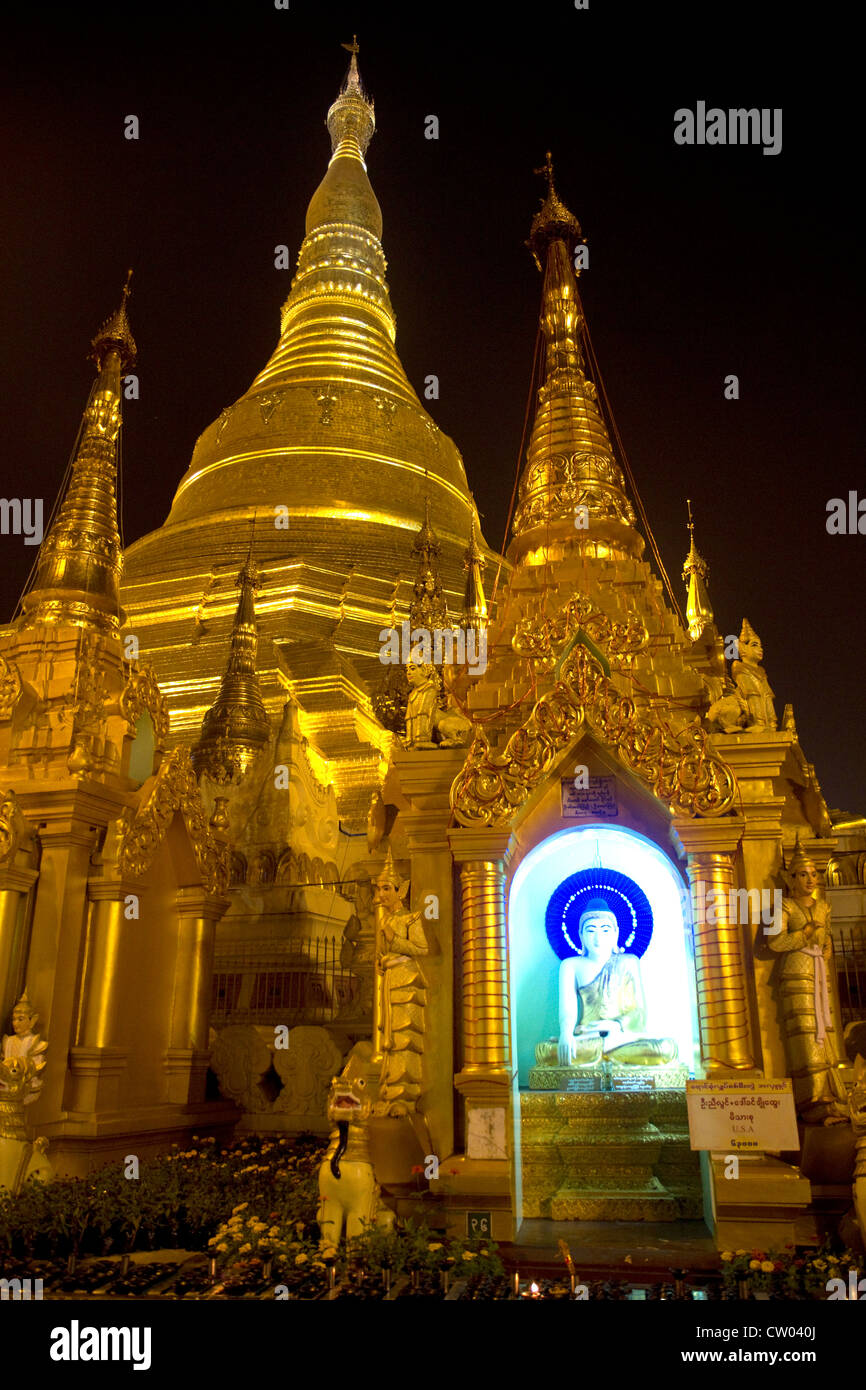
[733, 1116]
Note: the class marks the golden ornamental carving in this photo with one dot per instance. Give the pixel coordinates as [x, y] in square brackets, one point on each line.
[142, 695]
[680, 768]
[10, 687]
[9, 814]
[175, 790]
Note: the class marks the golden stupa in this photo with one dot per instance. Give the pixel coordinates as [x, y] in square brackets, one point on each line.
[330, 457]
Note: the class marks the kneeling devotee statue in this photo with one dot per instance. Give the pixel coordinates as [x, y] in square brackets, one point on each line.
[601, 1002]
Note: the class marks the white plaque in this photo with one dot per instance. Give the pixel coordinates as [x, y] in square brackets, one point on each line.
[485, 1132]
[742, 1116]
[595, 802]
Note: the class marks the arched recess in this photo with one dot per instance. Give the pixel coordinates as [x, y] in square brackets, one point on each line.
[667, 966]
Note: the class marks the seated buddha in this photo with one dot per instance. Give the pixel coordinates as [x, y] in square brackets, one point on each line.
[602, 1011]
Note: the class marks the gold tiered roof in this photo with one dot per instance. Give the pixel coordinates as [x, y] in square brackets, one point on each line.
[80, 561]
[574, 535]
[331, 436]
[570, 463]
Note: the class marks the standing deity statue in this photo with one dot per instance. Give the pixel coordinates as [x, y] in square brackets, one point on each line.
[602, 1011]
[401, 943]
[750, 705]
[21, 1065]
[811, 1046]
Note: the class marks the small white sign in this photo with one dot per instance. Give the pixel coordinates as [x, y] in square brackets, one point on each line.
[742, 1116]
[596, 801]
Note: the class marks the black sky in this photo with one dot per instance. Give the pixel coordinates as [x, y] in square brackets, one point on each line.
[703, 262]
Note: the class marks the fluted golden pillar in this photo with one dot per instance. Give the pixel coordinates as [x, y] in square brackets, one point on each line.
[18, 873]
[485, 967]
[486, 1025]
[724, 1010]
[187, 1057]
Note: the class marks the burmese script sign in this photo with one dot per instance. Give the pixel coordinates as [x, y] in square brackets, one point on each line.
[742, 1115]
[596, 800]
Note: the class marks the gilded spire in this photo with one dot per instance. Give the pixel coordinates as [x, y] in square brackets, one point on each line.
[80, 561]
[699, 612]
[236, 727]
[474, 602]
[571, 480]
[428, 609]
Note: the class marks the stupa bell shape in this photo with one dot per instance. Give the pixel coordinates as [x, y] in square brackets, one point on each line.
[330, 454]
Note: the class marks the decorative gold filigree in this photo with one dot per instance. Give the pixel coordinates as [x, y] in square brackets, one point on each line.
[141, 834]
[10, 687]
[680, 768]
[142, 695]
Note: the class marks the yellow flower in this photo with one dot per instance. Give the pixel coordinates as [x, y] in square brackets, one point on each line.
[726, 1255]
[274, 1231]
[435, 1245]
[329, 1252]
[767, 1266]
[222, 1248]
[819, 1264]
[301, 1259]
[741, 1252]
[754, 1264]
[831, 1259]
[468, 1255]
[243, 1206]
[318, 1264]
[245, 1248]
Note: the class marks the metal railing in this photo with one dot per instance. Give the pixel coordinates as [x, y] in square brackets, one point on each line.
[299, 982]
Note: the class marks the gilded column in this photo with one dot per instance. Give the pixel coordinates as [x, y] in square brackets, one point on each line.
[187, 1057]
[486, 1055]
[18, 873]
[485, 967]
[724, 1010]
[95, 1062]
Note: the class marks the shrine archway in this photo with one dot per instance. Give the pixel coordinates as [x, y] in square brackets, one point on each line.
[667, 962]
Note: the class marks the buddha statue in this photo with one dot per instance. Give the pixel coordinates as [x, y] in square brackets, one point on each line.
[602, 1012]
[811, 1046]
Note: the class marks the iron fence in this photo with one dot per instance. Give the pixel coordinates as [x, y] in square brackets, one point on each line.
[301, 981]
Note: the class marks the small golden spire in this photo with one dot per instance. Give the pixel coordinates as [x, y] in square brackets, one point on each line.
[428, 609]
[474, 602]
[236, 727]
[570, 476]
[80, 561]
[699, 611]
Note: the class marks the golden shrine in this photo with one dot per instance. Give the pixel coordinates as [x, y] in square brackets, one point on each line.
[545, 836]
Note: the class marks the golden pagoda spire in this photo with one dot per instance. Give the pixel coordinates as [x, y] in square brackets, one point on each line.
[428, 609]
[572, 488]
[699, 612]
[474, 602]
[236, 727]
[80, 561]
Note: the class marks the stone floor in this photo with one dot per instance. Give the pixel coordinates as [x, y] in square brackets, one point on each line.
[613, 1246]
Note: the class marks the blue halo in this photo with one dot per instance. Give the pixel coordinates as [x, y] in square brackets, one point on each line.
[622, 896]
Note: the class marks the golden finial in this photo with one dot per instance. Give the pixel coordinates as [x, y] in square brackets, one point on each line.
[699, 611]
[116, 334]
[351, 47]
[474, 602]
[553, 221]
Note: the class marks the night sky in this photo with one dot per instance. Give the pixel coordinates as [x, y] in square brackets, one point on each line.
[703, 262]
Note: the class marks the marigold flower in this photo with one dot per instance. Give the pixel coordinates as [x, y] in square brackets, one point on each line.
[434, 1245]
[754, 1264]
[244, 1248]
[301, 1259]
[767, 1266]
[726, 1255]
[469, 1254]
[222, 1248]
